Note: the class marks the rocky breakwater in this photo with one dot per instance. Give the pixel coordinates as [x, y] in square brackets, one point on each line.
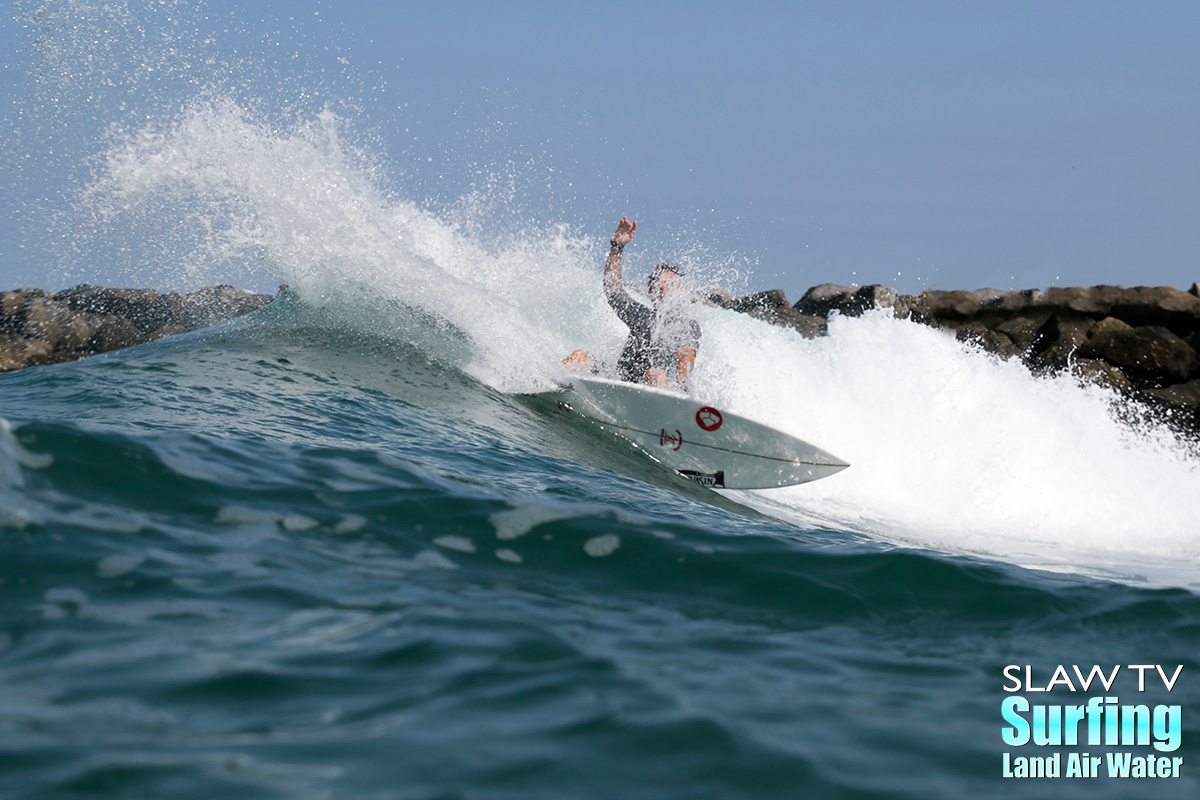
[37, 327]
[1141, 341]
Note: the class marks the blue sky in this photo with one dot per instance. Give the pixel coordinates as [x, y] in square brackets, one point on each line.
[915, 144]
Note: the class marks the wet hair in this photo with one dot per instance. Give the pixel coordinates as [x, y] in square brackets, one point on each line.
[662, 267]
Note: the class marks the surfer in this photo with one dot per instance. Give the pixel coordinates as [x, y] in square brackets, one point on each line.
[661, 347]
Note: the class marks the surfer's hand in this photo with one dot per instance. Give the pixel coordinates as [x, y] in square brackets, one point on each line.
[625, 231]
[579, 361]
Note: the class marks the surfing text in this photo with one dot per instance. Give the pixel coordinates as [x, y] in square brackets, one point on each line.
[1101, 720]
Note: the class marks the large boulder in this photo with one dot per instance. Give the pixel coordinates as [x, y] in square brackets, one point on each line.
[997, 300]
[821, 300]
[1181, 401]
[914, 308]
[1060, 338]
[1025, 327]
[1097, 336]
[806, 325]
[165, 331]
[1179, 395]
[991, 340]
[18, 353]
[1151, 352]
[14, 306]
[759, 301]
[39, 328]
[953, 306]
[1101, 373]
[114, 333]
[145, 308]
[10, 356]
[1096, 301]
[875, 295]
[772, 306]
[47, 321]
[1138, 340]
[80, 332]
[1164, 306]
[218, 303]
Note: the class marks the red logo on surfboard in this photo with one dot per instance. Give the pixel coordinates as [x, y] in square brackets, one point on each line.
[667, 440]
[708, 418]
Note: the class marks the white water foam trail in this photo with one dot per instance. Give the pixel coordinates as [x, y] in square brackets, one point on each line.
[954, 450]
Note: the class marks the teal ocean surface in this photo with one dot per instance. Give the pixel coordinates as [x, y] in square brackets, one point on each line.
[285, 557]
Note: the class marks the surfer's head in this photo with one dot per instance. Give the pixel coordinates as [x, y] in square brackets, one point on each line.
[666, 279]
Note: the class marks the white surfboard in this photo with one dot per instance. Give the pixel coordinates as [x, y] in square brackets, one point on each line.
[703, 443]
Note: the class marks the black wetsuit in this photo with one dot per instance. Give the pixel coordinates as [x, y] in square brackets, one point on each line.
[654, 337]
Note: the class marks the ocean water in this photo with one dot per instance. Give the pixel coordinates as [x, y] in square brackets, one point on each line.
[330, 550]
[285, 557]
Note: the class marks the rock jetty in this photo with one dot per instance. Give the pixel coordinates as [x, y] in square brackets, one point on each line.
[37, 327]
[1140, 341]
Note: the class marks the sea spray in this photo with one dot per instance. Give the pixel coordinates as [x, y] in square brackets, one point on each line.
[83, 77]
[301, 204]
[956, 450]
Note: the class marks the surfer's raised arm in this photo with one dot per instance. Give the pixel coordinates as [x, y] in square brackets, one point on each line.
[627, 310]
[612, 267]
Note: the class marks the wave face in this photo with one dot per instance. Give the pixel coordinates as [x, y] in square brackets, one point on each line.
[952, 449]
[328, 550]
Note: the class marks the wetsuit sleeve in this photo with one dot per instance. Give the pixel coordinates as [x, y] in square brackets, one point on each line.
[635, 315]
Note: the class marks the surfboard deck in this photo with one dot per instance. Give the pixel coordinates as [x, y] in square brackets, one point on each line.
[700, 442]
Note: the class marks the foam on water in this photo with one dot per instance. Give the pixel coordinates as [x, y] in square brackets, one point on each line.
[955, 450]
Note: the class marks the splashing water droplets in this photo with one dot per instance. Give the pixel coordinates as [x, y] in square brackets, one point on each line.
[218, 189]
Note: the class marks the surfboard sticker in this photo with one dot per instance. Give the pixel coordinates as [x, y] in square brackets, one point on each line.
[709, 418]
[698, 441]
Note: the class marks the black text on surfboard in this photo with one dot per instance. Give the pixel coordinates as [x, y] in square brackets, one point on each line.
[713, 480]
